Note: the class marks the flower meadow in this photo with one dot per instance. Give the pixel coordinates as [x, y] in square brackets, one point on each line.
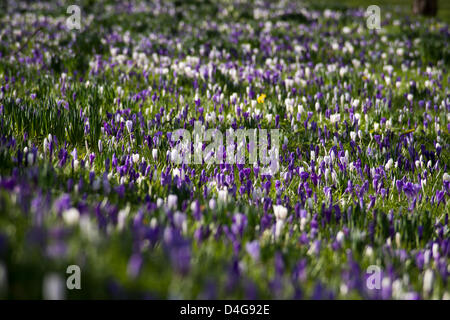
[357, 207]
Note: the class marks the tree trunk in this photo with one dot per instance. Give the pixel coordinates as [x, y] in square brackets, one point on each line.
[425, 7]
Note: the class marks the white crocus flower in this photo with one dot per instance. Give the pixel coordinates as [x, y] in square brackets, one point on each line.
[280, 215]
[222, 195]
[428, 281]
[71, 216]
[155, 154]
[389, 164]
[53, 287]
[172, 201]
